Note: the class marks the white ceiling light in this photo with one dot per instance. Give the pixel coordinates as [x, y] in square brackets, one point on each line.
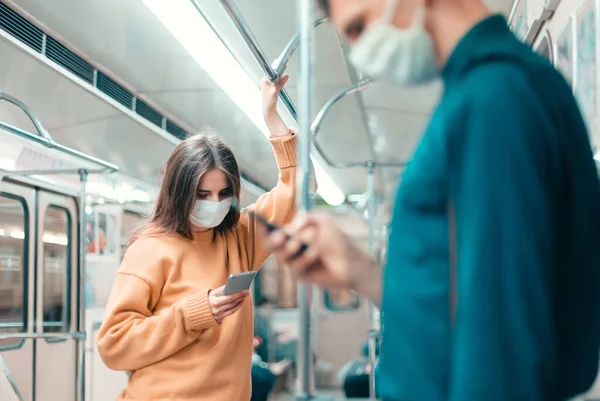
[190, 28]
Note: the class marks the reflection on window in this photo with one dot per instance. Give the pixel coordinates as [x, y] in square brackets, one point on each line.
[12, 267]
[57, 264]
[340, 300]
[545, 48]
[131, 222]
[286, 288]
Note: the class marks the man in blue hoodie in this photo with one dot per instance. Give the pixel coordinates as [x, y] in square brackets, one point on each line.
[492, 285]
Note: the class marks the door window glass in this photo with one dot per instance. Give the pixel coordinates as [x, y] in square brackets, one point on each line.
[13, 265]
[57, 269]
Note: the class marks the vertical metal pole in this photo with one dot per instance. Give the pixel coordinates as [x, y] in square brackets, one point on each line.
[305, 89]
[83, 176]
[373, 332]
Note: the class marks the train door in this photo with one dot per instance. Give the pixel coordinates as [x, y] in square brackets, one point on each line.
[341, 329]
[46, 243]
[17, 257]
[56, 302]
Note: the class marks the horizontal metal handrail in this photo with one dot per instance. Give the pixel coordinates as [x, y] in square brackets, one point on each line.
[15, 173]
[75, 335]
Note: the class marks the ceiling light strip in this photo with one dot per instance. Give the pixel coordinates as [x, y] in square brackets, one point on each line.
[198, 38]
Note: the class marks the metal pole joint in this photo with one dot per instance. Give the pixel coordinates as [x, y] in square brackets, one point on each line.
[83, 174]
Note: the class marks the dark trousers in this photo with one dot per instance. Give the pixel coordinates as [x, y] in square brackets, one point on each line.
[356, 386]
[263, 381]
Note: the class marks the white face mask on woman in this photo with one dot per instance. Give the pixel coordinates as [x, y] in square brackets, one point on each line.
[209, 214]
[404, 56]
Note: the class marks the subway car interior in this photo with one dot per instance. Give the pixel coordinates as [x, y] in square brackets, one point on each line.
[95, 95]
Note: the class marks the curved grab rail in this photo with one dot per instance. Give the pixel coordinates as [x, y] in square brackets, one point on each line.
[44, 137]
[280, 63]
[318, 121]
[316, 125]
[36, 122]
[272, 72]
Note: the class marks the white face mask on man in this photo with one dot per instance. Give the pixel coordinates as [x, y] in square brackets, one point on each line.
[210, 214]
[403, 56]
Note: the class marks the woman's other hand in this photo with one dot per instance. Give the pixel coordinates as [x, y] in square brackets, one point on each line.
[270, 94]
[224, 305]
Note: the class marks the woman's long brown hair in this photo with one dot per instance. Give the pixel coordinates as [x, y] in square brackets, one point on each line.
[182, 175]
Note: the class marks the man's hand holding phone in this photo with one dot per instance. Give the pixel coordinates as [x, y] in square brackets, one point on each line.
[223, 305]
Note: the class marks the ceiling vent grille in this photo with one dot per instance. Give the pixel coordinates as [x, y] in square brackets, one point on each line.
[20, 28]
[114, 90]
[148, 112]
[176, 130]
[72, 62]
[26, 32]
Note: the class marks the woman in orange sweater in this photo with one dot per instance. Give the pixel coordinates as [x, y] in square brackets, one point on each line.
[167, 321]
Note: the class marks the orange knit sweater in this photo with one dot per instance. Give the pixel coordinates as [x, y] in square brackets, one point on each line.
[158, 323]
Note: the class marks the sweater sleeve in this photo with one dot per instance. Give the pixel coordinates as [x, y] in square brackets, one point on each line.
[133, 335]
[502, 166]
[278, 206]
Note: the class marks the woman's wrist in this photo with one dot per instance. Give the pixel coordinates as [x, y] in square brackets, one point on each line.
[276, 125]
[270, 114]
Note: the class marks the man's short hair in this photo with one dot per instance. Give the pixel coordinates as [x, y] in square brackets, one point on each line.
[324, 4]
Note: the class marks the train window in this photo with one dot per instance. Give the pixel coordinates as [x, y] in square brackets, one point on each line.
[13, 268]
[340, 300]
[544, 46]
[131, 222]
[57, 269]
[287, 286]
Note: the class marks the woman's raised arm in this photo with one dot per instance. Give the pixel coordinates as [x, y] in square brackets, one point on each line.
[278, 206]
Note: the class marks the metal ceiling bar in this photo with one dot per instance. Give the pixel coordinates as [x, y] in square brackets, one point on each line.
[43, 137]
[280, 63]
[272, 74]
[249, 38]
[258, 53]
[49, 143]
